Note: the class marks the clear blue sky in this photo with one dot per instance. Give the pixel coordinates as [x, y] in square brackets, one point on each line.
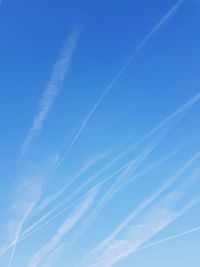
[57, 59]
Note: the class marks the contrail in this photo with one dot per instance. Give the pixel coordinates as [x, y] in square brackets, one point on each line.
[176, 116]
[87, 166]
[17, 234]
[169, 122]
[51, 91]
[53, 87]
[145, 204]
[130, 167]
[72, 220]
[153, 222]
[30, 231]
[114, 81]
[197, 229]
[136, 51]
[34, 228]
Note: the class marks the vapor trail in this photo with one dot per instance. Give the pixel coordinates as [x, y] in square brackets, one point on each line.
[114, 81]
[35, 228]
[71, 221]
[79, 173]
[17, 234]
[153, 222]
[168, 122]
[53, 87]
[193, 230]
[51, 91]
[146, 203]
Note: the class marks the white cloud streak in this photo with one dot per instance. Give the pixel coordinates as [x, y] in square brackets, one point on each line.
[27, 195]
[165, 125]
[160, 216]
[193, 230]
[88, 165]
[38, 225]
[162, 129]
[53, 257]
[136, 51]
[131, 166]
[27, 192]
[144, 205]
[53, 87]
[64, 229]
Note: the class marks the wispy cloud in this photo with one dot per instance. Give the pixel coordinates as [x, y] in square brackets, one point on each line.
[134, 54]
[150, 223]
[68, 225]
[129, 168]
[164, 126]
[88, 165]
[53, 87]
[145, 204]
[26, 194]
[53, 257]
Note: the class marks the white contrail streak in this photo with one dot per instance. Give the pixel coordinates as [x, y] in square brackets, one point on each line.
[145, 204]
[17, 234]
[53, 87]
[64, 229]
[34, 228]
[138, 210]
[114, 81]
[31, 230]
[168, 122]
[51, 91]
[193, 230]
[157, 219]
[80, 172]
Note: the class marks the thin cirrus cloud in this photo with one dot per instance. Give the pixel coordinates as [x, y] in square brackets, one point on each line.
[129, 168]
[87, 166]
[53, 87]
[163, 127]
[93, 193]
[151, 222]
[44, 112]
[113, 82]
[99, 248]
[66, 226]
[27, 193]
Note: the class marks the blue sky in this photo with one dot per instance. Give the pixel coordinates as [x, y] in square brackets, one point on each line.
[100, 148]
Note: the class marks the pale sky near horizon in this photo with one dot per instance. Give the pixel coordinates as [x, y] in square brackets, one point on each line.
[100, 146]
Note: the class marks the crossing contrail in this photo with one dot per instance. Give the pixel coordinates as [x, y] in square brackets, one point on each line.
[170, 122]
[152, 223]
[53, 87]
[136, 51]
[145, 204]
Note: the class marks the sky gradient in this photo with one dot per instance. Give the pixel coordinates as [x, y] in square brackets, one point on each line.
[100, 147]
